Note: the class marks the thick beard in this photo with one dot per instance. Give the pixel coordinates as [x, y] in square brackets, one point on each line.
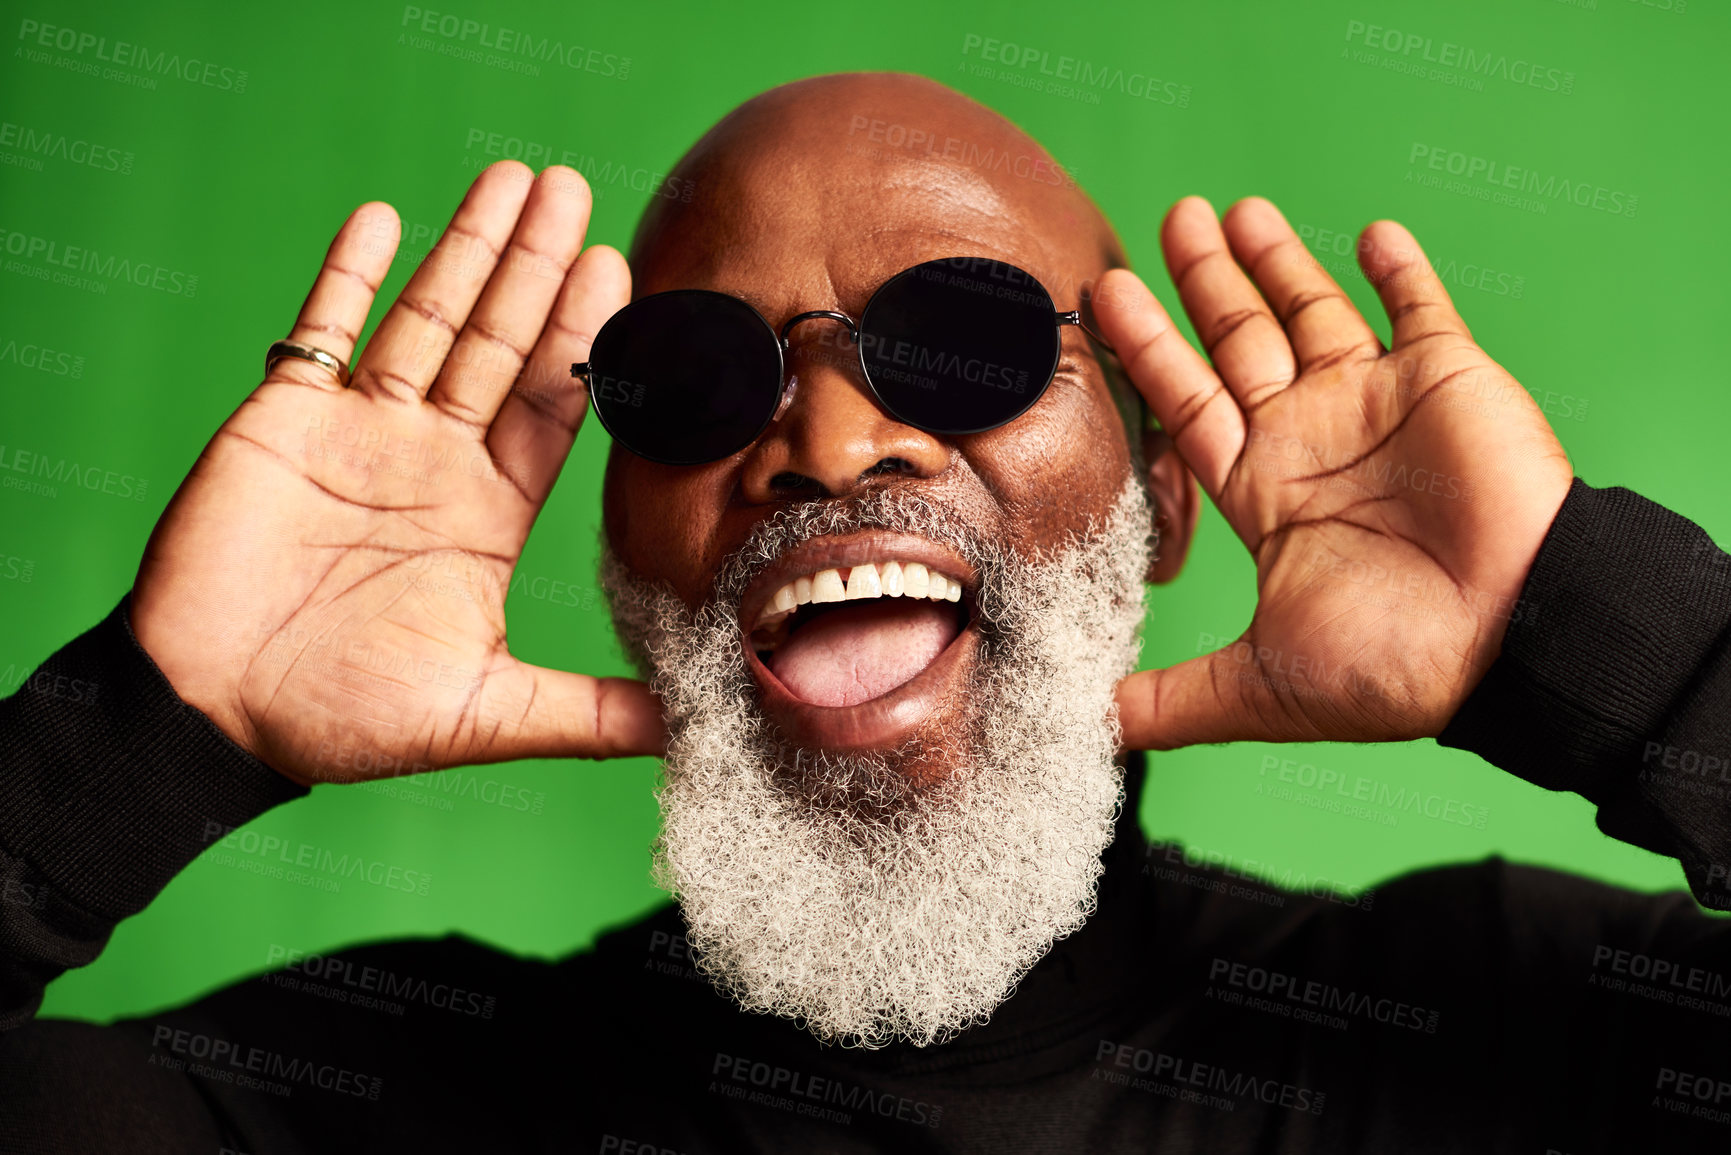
[844, 889]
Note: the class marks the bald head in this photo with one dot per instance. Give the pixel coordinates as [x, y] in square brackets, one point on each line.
[853, 155]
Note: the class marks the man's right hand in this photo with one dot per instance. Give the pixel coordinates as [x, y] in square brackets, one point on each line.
[328, 585]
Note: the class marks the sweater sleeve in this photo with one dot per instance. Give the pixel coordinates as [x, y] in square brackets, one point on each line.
[1615, 680]
[109, 786]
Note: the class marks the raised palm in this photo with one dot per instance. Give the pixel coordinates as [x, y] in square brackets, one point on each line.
[1393, 499]
[328, 585]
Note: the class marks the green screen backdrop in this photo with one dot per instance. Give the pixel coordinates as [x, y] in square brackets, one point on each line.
[205, 155]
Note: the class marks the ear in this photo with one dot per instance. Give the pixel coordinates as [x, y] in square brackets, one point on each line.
[1177, 504]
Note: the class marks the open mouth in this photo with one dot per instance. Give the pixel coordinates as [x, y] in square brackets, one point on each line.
[848, 634]
[855, 641]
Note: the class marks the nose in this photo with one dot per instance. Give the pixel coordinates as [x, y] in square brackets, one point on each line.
[833, 438]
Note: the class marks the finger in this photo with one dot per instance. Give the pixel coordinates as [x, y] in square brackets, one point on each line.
[1413, 295]
[336, 309]
[411, 342]
[533, 432]
[542, 713]
[1322, 323]
[1233, 322]
[1189, 399]
[505, 323]
[1213, 698]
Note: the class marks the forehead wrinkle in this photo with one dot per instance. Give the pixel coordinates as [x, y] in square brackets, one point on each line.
[835, 219]
[926, 180]
[845, 275]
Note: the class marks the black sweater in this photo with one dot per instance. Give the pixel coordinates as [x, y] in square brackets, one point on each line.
[1478, 1008]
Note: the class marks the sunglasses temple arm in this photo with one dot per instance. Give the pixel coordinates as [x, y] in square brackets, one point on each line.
[1074, 317]
[580, 369]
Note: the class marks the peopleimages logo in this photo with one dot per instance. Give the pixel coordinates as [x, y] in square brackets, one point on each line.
[812, 1095]
[1065, 70]
[145, 274]
[1448, 55]
[600, 173]
[1485, 175]
[36, 144]
[42, 358]
[929, 368]
[1324, 997]
[270, 849]
[37, 36]
[1405, 799]
[1178, 1077]
[927, 144]
[331, 971]
[1262, 882]
[511, 46]
[20, 469]
[254, 1067]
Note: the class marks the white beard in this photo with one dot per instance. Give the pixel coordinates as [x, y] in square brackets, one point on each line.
[829, 888]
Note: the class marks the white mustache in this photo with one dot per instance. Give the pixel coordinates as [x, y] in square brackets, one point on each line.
[897, 509]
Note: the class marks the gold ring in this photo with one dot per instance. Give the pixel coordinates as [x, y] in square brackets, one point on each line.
[306, 353]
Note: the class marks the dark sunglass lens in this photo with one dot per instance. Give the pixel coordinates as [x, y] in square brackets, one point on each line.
[959, 345]
[685, 377]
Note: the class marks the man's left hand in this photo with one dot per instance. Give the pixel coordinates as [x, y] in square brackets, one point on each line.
[1393, 499]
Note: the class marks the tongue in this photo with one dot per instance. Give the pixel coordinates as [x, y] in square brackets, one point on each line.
[858, 653]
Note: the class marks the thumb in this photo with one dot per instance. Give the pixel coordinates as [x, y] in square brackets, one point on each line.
[536, 712]
[1213, 698]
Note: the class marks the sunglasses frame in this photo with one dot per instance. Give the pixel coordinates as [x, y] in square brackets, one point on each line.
[581, 369]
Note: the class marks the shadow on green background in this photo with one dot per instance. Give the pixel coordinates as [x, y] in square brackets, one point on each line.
[227, 147]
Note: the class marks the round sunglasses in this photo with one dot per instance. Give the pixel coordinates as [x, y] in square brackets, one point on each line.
[953, 346]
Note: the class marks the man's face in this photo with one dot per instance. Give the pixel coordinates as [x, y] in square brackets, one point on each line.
[879, 812]
[801, 225]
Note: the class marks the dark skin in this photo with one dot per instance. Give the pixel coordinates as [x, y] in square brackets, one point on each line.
[789, 246]
[283, 591]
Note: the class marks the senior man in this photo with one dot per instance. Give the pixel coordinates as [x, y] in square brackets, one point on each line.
[899, 443]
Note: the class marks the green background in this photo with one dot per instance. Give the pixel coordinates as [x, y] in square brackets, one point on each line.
[244, 188]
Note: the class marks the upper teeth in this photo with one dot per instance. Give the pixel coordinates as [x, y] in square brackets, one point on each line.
[892, 579]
